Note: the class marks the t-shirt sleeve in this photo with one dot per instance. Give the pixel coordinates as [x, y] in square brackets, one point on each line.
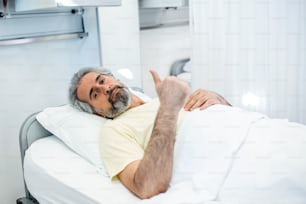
[118, 149]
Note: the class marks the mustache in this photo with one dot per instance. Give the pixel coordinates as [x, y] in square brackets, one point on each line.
[112, 91]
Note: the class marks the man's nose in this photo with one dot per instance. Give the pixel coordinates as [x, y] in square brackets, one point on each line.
[105, 89]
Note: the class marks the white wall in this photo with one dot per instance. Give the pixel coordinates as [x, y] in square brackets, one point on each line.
[120, 41]
[160, 47]
[34, 76]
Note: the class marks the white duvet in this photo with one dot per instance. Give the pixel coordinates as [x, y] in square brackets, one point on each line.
[222, 155]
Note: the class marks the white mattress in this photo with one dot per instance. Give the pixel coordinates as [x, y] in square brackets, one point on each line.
[55, 174]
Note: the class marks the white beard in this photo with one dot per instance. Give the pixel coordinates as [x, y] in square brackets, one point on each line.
[120, 103]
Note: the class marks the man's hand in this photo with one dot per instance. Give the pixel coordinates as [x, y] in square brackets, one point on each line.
[202, 99]
[172, 92]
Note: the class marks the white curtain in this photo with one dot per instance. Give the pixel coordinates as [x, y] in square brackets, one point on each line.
[253, 52]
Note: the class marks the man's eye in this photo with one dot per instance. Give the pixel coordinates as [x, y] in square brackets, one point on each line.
[102, 81]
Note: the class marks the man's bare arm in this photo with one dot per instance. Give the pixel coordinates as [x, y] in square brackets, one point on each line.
[152, 175]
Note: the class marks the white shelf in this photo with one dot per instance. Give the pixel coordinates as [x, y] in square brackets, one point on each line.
[162, 3]
[29, 5]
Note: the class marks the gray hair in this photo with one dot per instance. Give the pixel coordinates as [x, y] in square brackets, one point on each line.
[74, 84]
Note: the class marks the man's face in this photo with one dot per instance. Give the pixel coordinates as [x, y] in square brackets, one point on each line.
[108, 96]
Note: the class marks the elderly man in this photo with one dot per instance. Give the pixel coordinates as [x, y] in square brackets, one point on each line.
[138, 143]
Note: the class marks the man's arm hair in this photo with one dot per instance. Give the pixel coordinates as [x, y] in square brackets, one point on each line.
[152, 175]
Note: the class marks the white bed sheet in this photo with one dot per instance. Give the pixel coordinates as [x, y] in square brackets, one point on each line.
[211, 164]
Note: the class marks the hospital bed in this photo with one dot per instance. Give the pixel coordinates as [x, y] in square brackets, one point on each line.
[211, 168]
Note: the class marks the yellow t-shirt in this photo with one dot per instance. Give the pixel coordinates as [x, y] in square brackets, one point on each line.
[124, 139]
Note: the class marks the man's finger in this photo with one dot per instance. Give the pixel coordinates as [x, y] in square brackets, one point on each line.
[155, 76]
[189, 104]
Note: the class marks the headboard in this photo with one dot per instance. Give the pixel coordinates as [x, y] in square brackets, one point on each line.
[30, 131]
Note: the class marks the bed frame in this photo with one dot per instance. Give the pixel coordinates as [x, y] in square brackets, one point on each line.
[30, 131]
[178, 66]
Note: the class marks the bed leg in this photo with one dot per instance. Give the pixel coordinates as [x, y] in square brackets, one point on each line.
[25, 200]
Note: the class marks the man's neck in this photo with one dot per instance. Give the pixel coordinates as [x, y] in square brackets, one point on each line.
[136, 101]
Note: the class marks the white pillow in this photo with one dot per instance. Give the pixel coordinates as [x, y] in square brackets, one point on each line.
[78, 130]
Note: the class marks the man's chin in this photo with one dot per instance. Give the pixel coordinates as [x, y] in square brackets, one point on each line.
[120, 98]
[121, 108]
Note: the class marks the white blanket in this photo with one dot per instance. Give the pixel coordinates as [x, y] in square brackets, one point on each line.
[222, 155]
[270, 167]
[234, 156]
[205, 148]
[229, 155]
